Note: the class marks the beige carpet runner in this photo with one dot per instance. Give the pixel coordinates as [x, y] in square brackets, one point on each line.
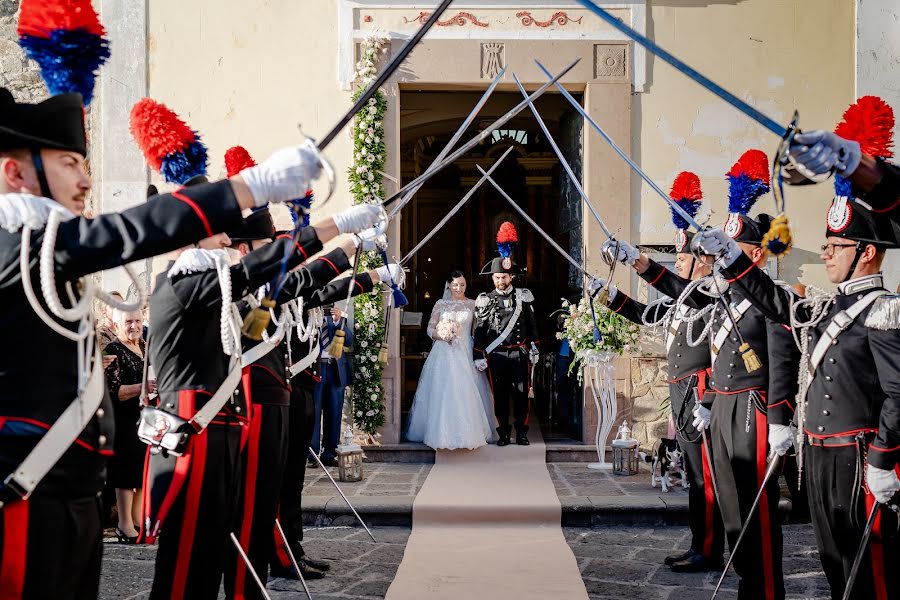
[486, 524]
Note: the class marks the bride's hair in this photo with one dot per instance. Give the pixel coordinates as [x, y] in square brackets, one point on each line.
[454, 274]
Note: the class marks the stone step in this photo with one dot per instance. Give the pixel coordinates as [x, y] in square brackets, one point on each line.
[421, 454]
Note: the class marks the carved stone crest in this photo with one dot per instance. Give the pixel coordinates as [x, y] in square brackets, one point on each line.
[492, 59]
[610, 60]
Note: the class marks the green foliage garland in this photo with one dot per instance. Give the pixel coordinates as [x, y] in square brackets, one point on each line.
[369, 155]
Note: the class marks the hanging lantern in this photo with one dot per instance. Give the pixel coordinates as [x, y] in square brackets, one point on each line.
[625, 452]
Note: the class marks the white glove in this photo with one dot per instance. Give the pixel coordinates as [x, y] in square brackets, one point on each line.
[817, 152]
[360, 218]
[781, 438]
[388, 273]
[598, 283]
[285, 175]
[481, 364]
[701, 417]
[882, 483]
[626, 255]
[534, 355]
[370, 239]
[716, 242]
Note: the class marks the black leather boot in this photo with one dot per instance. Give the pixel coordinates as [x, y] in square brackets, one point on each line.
[521, 437]
[504, 433]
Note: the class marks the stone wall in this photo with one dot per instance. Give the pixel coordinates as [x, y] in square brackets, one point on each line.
[18, 74]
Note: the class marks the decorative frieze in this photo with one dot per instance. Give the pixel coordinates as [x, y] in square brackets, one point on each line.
[560, 18]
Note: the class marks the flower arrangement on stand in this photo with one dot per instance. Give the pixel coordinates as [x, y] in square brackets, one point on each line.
[594, 349]
[369, 155]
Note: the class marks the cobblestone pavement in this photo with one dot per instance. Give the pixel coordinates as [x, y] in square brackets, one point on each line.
[615, 562]
[575, 479]
[381, 479]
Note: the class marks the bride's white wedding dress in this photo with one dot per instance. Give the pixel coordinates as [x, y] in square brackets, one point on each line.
[453, 407]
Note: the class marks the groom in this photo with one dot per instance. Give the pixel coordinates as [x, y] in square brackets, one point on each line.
[505, 340]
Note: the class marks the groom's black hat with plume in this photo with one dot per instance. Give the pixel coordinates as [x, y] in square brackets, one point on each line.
[507, 239]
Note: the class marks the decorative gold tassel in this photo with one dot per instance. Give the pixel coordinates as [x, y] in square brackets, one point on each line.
[751, 360]
[603, 297]
[336, 349]
[257, 320]
[383, 353]
[778, 239]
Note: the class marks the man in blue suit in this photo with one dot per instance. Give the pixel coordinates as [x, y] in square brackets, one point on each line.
[336, 374]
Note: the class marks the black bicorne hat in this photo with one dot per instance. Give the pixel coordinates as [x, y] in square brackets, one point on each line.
[56, 123]
[854, 220]
[745, 229]
[507, 239]
[258, 225]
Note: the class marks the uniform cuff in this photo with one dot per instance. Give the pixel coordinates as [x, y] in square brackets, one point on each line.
[653, 273]
[884, 458]
[886, 195]
[739, 268]
[780, 413]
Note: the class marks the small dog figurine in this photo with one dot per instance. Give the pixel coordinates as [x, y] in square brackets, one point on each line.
[666, 458]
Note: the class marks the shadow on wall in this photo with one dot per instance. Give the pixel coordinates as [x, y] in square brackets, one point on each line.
[790, 268]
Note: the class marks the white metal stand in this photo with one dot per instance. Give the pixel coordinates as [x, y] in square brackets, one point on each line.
[598, 369]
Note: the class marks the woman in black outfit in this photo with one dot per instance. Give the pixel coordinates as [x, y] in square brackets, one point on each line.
[123, 378]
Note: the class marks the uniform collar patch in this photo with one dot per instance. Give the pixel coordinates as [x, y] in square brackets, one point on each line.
[861, 284]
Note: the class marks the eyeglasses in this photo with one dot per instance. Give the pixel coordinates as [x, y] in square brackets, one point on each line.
[828, 249]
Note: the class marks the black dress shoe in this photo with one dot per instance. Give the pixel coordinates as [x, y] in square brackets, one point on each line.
[504, 433]
[522, 440]
[697, 564]
[308, 571]
[674, 558]
[321, 565]
[126, 539]
[330, 462]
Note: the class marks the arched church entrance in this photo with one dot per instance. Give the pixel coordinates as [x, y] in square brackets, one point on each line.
[533, 177]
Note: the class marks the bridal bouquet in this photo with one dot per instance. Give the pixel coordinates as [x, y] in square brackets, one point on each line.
[447, 329]
[618, 335]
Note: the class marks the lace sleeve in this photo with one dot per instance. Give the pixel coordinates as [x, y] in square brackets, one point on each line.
[435, 318]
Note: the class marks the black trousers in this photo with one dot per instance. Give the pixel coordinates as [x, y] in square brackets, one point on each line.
[194, 535]
[508, 373]
[263, 459]
[739, 437]
[50, 548]
[300, 428]
[834, 482]
[707, 532]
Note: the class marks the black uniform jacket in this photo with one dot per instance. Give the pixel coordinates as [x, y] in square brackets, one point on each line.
[492, 314]
[885, 198]
[185, 340]
[684, 360]
[38, 369]
[856, 387]
[269, 376]
[729, 375]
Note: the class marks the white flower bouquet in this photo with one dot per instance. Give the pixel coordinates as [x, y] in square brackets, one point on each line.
[447, 330]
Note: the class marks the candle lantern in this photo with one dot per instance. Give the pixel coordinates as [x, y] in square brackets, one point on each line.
[625, 452]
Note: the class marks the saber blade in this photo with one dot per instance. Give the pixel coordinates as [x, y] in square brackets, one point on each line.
[767, 122]
[249, 565]
[863, 545]
[338, 488]
[435, 169]
[563, 161]
[290, 553]
[575, 104]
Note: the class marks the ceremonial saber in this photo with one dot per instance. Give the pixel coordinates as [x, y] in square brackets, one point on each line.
[455, 209]
[434, 169]
[672, 204]
[446, 150]
[287, 546]
[562, 160]
[262, 586]
[338, 488]
[767, 122]
[863, 544]
[773, 465]
[531, 222]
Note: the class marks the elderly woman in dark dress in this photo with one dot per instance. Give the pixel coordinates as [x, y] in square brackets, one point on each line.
[123, 379]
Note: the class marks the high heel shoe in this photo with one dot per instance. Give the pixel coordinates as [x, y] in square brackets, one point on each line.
[124, 539]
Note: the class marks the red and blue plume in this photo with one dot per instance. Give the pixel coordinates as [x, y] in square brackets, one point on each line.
[869, 121]
[748, 180]
[65, 39]
[168, 144]
[237, 159]
[687, 193]
[507, 238]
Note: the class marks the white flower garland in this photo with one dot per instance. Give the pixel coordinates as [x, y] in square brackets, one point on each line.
[369, 155]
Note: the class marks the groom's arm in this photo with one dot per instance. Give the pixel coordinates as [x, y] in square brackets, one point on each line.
[479, 338]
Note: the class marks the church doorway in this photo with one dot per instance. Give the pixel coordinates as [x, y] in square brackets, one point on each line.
[533, 177]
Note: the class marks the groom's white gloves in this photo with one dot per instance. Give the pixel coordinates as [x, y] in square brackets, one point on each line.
[701, 417]
[621, 251]
[285, 175]
[598, 283]
[781, 438]
[481, 364]
[882, 483]
[816, 153]
[716, 242]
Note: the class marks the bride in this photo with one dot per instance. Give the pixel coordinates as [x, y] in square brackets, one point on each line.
[453, 407]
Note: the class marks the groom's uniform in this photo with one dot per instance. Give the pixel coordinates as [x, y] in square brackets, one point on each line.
[505, 333]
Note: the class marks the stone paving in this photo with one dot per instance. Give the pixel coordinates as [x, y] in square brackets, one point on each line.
[381, 479]
[615, 562]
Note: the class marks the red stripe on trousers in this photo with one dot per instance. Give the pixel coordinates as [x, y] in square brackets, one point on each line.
[762, 453]
[145, 501]
[240, 572]
[191, 509]
[187, 400]
[876, 552]
[248, 399]
[710, 508]
[280, 553]
[15, 549]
